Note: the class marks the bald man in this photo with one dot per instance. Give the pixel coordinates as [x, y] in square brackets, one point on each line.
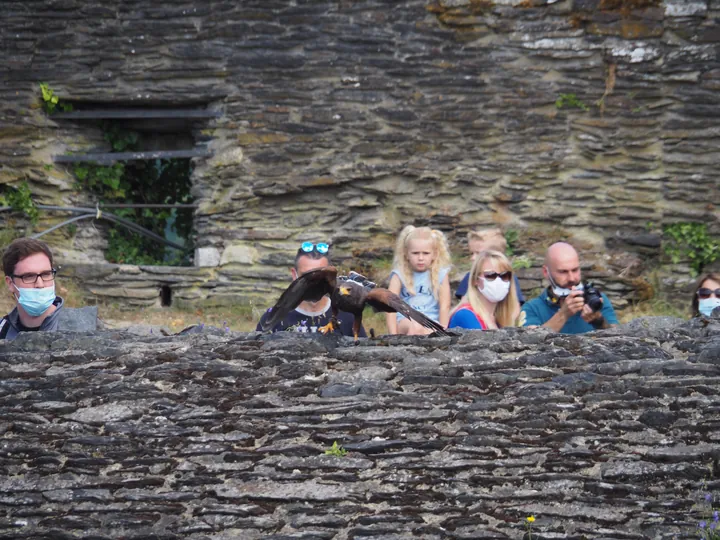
[561, 307]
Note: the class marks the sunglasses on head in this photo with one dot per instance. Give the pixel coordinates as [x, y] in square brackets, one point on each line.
[705, 293]
[492, 276]
[320, 247]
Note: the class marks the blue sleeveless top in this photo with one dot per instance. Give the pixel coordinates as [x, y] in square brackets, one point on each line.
[423, 299]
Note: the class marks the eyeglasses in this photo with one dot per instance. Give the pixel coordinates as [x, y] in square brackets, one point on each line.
[492, 276]
[320, 247]
[705, 293]
[49, 275]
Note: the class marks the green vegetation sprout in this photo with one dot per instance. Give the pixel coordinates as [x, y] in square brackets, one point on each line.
[336, 450]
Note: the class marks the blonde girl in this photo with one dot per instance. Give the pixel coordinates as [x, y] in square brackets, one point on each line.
[491, 300]
[420, 277]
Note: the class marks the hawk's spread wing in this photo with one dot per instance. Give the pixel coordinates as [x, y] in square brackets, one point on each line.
[311, 286]
[389, 302]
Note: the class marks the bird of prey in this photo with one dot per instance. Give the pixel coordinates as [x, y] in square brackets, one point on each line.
[349, 294]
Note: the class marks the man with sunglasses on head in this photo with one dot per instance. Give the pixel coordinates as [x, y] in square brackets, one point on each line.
[30, 278]
[561, 307]
[308, 316]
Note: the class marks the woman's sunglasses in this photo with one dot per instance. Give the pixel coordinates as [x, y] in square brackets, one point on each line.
[492, 276]
[705, 293]
[320, 247]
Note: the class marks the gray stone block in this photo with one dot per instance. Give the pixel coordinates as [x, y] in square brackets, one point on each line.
[84, 319]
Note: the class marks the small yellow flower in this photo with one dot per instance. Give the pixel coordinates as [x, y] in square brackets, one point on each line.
[531, 519]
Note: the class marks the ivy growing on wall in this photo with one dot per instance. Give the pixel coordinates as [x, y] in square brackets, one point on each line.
[51, 102]
[20, 200]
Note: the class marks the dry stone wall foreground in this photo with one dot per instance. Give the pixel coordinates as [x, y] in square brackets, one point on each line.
[220, 435]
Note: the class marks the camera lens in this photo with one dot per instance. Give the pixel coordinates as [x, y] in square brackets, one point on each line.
[592, 297]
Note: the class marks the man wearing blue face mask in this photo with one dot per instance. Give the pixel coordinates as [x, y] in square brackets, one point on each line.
[562, 306]
[30, 278]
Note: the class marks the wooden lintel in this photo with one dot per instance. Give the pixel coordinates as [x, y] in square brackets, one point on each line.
[135, 113]
[109, 157]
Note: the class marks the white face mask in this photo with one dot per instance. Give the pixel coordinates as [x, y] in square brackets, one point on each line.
[706, 305]
[561, 292]
[495, 290]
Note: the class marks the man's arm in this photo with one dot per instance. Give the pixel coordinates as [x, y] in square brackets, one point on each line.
[572, 304]
[609, 312]
[445, 302]
[605, 318]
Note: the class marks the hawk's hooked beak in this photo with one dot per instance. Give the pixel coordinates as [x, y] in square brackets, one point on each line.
[344, 291]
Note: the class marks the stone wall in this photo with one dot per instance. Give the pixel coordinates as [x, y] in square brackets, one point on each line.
[344, 121]
[612, 434]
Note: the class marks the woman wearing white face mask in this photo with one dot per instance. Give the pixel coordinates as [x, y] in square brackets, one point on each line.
[707, 295]
[491, 300]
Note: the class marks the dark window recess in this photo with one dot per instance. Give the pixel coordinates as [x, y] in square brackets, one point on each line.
[143, 156]
[165, 296]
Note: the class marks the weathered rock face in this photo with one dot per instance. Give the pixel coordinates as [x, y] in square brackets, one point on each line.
[606, 435]
[343, 121]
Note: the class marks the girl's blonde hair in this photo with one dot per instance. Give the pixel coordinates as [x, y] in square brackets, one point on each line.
[440, 254]
[504, 310]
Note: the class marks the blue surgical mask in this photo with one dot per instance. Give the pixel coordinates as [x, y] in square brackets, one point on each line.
[34, 301]
[706, 305]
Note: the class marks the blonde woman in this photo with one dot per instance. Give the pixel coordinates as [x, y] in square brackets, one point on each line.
[486, 240]
[491, 300]
[420, 278]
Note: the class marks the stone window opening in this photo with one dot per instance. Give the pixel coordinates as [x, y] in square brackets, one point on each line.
[156, 147]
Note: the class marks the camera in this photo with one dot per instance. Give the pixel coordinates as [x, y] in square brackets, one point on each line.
[592, 296]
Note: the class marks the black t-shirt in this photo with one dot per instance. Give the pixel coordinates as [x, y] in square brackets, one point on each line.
[5, 327]
[24, 328]
[295, 321]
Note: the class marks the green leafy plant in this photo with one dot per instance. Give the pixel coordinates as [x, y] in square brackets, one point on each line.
[106, 181]
[511, 237]
[690, 241]
[120, 139]
[51, 102]
[336, 450]
[522, 262]
[570, 101]
[123, 249]
[20, 200]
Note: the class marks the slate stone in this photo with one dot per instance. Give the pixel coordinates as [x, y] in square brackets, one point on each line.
[269, 491]
[78, 319]
[101, 414]
[658, 419]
